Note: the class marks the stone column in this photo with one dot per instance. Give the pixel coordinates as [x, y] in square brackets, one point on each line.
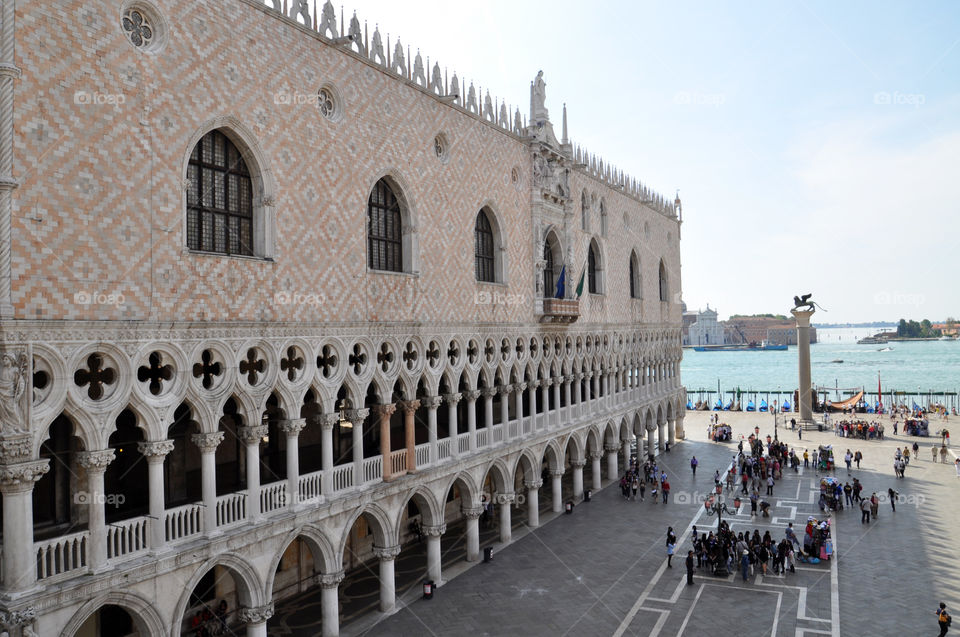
[803, 353]
[651, 443]
[434, 533]
[327, 422]
[256, 619]
[383, 413]
[595, 386]
[625, 450]
[660, 436]
[505, 409]
[251, 438]
[330, 604]
[556, 490]
[577, 478]
[545, 400]
[532, 388]
[388, 588]
[431, 403]
[488, 393]
[453, 427]
[671, 431]
[208, 443]
[291, 430]
[356, 417]
[156, 453]
[578, 393]
[410, 408]
[566, 398]
[533, 502]
[472, 515]
[595, 470]
[518, 389]
[95, 464]
[557, 416]
[471, 397]
[18, 474]
[506, 528]
[680, 433]
[612, 450]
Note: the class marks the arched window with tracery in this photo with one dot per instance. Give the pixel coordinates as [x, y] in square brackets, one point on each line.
[384, 229]
[219, 198]
[549, 269]
[483, 249]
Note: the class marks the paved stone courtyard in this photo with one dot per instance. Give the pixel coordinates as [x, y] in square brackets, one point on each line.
[602, 570]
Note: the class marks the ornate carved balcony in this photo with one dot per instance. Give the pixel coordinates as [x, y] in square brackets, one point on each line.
[560, 310]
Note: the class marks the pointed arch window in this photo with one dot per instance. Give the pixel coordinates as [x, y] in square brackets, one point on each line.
[549, 277]
[635, 287]
[483, 249]
[592, 281]
[219, 198]
[384, 229]
[664, 284]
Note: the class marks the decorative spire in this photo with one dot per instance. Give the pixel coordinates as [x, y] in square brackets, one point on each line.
[563, 139]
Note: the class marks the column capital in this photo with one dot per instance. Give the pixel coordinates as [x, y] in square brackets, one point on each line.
[506, 389]
[430, 402]
[256, 615]
[357, 416]
[520, 386]
[579, 376]
[386, 552]
[611, 448]
[16, 448]
[557, 473]
[568, 378]
[472, 513]
[435, 530]
[409, 406]
[533, 384]
[533, 485]
[471, 396]
[155, 449]
[293, 426]
[452, 398]
[387, 409]
[96, 461]
[15, 618]
[327, 421]
[595, 455]
[331, 580]
[489, 392]
[252, 435]
[506, 498]
[578, 464]
[207, 442]
[18, 478]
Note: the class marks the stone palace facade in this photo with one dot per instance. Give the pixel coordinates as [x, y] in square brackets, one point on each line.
[272, 290]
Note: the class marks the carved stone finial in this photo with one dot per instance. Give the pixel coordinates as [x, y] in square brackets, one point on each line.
[436, 80]
[328, 21]
[399, 64]
[376, 48]
[419, 76]
[472, 99]
[355, 33]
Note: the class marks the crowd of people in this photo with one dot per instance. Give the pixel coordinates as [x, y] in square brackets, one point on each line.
[858, 429]
[633, 483]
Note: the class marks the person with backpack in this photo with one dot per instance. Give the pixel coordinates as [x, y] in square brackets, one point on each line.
[943, 619]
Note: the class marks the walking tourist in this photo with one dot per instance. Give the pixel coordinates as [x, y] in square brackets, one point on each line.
[943, 454]
[874, 505]
[933, 452]
[693, 465]
[857, 457]
[943, 619]
[745, 568]
[893, 495]
[864, 512]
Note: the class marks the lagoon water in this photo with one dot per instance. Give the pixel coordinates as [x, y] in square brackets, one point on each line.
[906, 366]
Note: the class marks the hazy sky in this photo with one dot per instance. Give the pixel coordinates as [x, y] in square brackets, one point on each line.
[811, 142]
